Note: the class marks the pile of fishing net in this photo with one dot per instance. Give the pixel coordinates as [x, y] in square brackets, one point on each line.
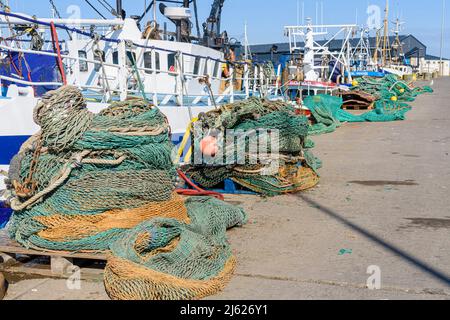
[327, 113]
[106, 183]
[390, 86]
[261, 145]
[165, 259]
[392, 97]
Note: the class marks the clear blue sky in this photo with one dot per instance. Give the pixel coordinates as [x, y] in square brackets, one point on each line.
[266, 18]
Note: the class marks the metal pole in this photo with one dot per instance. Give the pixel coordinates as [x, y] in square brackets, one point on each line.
[441, 63]
[119, 7]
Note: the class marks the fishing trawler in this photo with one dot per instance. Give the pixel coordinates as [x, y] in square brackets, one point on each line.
[113, 59]
[321, 70]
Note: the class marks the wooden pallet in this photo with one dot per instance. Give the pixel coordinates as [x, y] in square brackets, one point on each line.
[15, 259]
[356, 107]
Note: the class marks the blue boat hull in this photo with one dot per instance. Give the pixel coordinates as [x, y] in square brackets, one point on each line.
[374, 74]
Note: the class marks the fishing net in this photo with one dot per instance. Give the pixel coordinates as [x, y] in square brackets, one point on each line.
[262, 145]
[106, 182]
[85, 178]
[390, 86]
[165, 259]
[327, 113]
[328, 116]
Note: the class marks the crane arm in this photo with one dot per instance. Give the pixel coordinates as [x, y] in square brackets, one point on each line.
[215, 16]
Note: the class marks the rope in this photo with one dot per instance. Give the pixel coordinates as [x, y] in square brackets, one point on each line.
[58, 51]
[16, 205]
[197, 190]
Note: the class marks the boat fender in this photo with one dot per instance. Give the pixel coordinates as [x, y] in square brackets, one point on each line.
[208, 146]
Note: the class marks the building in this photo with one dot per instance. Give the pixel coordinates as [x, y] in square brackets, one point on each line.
[414, 50]
[431, 64]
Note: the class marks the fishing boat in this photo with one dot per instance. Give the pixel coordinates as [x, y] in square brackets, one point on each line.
[362, 63]
[321, 70]
[112, 59]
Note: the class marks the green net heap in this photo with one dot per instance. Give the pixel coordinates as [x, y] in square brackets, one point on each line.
[392, 104]
[106, 183]
[269, 148]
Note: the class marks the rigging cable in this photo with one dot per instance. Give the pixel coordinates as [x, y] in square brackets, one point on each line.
[59, 16]
[106, 4]
[95, 9]
[108, 7]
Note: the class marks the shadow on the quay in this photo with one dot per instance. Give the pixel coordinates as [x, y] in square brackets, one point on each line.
[439, 275]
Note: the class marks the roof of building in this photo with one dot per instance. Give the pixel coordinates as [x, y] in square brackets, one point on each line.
[333, 45]
[431, 57]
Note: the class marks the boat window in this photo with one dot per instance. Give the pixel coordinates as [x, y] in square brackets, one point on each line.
[131, 58]
[116, 57]
[83, 64]
[197, 65]
[171, 62]
[99, 57]
[205, 69]
[216, 69]
[148, 62]
[157, 61]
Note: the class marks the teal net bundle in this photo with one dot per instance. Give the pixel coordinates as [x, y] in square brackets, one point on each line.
[86, 181]
[328, 116]
[392, 97]
[268, 146]
[192, 260]
[86, 167]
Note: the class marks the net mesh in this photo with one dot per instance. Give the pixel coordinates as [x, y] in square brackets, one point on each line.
[106, 182]
[392, 97]
[286, 163]
[191, 260]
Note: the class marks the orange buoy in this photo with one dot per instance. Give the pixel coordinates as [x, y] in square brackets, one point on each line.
[208, 146]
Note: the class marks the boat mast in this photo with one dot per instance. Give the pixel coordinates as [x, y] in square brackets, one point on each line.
[397, 46]
[384, 57]
[119, 8]
[441, 63]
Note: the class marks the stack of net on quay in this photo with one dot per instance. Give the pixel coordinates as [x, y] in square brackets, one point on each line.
[106, 183]
[261, 145]
[391, 99]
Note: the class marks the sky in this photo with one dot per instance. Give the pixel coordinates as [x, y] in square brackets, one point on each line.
[266, 18]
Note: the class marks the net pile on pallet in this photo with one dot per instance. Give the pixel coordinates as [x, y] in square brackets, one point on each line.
[90, 182]
[268, 147]
[390, 86]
